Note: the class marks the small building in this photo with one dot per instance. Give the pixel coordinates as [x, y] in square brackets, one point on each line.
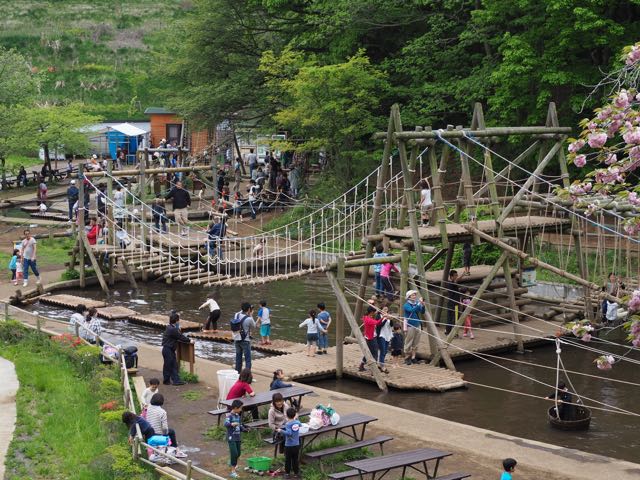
[167, 125]
[98, 135]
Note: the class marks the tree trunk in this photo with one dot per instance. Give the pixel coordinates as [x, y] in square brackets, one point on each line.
[3, 164]
[47, 158]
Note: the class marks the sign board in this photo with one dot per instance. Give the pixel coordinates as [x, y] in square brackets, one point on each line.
[528, 277]
[186, 352]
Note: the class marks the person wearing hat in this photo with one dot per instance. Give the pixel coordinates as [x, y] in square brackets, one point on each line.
[72, 197]
[413, 308]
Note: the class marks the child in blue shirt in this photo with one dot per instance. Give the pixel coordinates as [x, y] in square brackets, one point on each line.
[291, 433]
[264, 318]
[509, 465]
[233, 424]
[13, 265]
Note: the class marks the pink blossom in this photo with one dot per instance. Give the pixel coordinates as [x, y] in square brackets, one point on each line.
[634, 153]
[580, 161]
[634, 303]
[604, 113]
[610, 175]
[587, 187]
[592, 126]
[633, 56]
[622, 100]
[635, 328]
[614, 127]
[611, 159]
[636, 342]
[575, 146]
[633, 198]
[632, 136]
[597, 140]
[618, 116]
[638, 97]
[630, 228]
[586, 337]
[591, 209]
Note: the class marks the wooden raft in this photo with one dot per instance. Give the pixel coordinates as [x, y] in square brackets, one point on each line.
[116, 313]
[511, 225]
[161, 321]
[298, 366]
[278, 347]
[71, 301]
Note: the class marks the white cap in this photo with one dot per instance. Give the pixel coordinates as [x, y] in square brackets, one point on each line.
[73, 182]
[409, 293]
[94, 156]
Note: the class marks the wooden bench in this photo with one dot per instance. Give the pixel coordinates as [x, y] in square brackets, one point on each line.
[379, 440]
[347, 474]
[454, 476]
[219, 412]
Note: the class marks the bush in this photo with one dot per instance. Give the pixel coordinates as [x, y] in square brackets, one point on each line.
[110, 389]
[188, 377]
[122, 464]
[70, 274]
[112, 416]
[13, 332]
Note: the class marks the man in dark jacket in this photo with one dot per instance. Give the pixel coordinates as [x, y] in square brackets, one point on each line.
[72, 197]
[181, 201]
[170, 339]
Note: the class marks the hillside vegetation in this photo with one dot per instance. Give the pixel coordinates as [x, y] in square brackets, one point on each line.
[97, 52]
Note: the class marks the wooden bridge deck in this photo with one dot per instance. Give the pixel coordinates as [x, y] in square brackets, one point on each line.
[115, 313]
[161, 321]
[278, 347]
[512, 226]
[71, 301]
[299, 366]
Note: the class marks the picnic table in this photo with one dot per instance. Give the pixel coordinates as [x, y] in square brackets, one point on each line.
[264, 398]
[415, 459]
[352, 425]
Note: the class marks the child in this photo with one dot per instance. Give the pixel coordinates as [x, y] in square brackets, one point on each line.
[397, 344]
[233, 424]
[123, 238]
[13, 265]
[19, 269]
[278, 380]
[264, 319]
[214, 314]
[377, 268]
[325, 320]
[370, 322]
[149, 392]
[385, 278]
[259, 248]
[452, 291]
[130, 419]
[425, 202]
[94, 324]
[384, 334]
[509, 465]
[292, 443]
[466, 258]
[313, 327]
[237, 206]
[466, 300]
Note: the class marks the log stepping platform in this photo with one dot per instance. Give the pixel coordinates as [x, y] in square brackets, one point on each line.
[56, 217]
[299, 366]
[511, 225]
[116, 313]
[278, 347]
[161, 321]
[71, 301]
[36, 209]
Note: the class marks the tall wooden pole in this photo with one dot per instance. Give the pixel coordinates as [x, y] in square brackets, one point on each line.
[110, 223]
[404, 275]
[408, 192]
[81, 224]
[143, 191]
[340, 322]
[374, 223]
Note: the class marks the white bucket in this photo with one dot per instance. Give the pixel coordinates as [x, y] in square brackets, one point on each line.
[226, 379]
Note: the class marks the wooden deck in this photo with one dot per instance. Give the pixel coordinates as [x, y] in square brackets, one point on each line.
[161, 321]
[71, 301]
[512, 226]
[298, 366]
[115, 313]
[56, 217]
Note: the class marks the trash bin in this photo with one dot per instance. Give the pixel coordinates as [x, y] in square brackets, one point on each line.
[226, 379]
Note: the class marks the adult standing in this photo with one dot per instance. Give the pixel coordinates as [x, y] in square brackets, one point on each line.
[324, 318]
[413, 308]
[170, 339]
[241, 326]
[28, 250]
[72, 197]
[252, 160]
[425, 202]
[214, 314]
[181, 202]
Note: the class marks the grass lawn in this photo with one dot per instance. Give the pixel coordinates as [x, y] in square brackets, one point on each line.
[50, 252]
[13, 162]
[59, 431]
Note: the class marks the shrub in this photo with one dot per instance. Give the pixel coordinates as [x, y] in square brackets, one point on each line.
[70, 274]
[188, 377]
[122, 464]
[112, 416]
[110, 389]
[13, 332]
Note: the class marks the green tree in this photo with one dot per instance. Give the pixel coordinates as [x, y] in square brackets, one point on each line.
[51, 127]
[334, 108]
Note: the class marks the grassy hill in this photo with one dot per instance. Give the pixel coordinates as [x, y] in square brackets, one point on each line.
[95, 51]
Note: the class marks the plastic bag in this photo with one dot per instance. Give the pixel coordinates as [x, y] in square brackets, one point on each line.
[335, 419]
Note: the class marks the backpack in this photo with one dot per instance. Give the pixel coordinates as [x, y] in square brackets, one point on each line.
[237, 323]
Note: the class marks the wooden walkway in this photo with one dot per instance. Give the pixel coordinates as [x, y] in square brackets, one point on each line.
[71, 301]
[56, 217]
[115, 313]
[161, 321]
[278, 347]
[298, 366]
[512, 226]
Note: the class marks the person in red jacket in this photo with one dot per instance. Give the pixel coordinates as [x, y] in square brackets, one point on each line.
[370, 322]
[93, 232]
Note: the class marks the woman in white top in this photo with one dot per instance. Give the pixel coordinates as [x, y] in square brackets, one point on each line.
[313, 328]
[79, 318]
[214, 314]
[425, 201]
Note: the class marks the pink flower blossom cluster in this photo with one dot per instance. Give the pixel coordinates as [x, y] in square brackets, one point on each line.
[581, 329]
[605, 362]
[633, 56]
[635, 333]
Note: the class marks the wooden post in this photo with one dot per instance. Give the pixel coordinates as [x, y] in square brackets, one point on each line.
[467, 187]
[408, 191]
[402, 221]
[404, 275]
[346, 309]
[129, 272]
[513, 306]
[111, 240]
[81, 230]
[94, 262]
[374, 223]
[143, 229]
[340, 322]
[436, 186]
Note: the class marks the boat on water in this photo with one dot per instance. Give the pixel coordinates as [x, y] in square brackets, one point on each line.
[580, 420]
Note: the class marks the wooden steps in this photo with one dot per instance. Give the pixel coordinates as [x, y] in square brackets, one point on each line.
[161, 321]
[115, 313]
[71, 301]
